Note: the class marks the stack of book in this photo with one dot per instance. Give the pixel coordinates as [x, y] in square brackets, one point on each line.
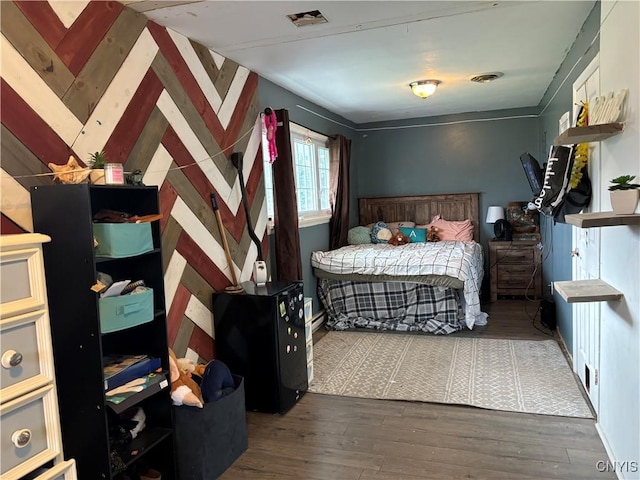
[121, 369]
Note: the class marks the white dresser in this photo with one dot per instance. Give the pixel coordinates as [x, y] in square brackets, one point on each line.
[30, 436]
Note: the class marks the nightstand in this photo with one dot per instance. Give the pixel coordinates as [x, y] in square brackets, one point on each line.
[515, 269]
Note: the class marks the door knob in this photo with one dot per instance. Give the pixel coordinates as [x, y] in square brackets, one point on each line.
[575, 252]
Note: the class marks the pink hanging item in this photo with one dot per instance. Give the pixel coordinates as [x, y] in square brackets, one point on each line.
[271, 124]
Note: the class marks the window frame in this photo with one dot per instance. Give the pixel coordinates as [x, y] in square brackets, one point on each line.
[298, 132]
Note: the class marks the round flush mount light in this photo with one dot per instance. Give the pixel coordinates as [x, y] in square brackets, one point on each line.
[486, 77]
[424, 88]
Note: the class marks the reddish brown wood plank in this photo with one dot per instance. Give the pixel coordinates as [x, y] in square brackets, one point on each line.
[240, 112]
[85, 34]
[176, 312]
[186, 79]
[202, 343]
[30, 129]
[167, 197]
[201, 263]
[7, 227]
[135, 117]
[252, 183]
[45, 20]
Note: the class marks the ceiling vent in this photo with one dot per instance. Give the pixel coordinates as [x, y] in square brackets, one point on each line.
[486, 77]
[305, 19]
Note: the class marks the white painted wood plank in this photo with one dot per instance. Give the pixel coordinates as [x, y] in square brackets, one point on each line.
[200, 315]
[67, 11]
[172, 277]
[197, 69]
[192, 355]
[158, 167]
[117, 96]
[231, 99]
[37, 94]
[201, 236]
[15, 201]
[217, 59]
[186, 135]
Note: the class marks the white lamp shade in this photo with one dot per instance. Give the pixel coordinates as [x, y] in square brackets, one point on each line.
[494, 214]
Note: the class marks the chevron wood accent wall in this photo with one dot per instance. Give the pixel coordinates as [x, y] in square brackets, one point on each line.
[80, 77]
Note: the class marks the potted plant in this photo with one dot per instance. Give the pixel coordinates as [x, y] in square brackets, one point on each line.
[97, 161]
[624, 194]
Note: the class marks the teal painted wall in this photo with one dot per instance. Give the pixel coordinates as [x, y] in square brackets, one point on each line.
[451, 154]
[556, 101]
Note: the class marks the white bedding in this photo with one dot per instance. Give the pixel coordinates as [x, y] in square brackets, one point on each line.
[461, 260]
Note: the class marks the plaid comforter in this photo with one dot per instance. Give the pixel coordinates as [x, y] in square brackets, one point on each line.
[404, 307]
[461, 260]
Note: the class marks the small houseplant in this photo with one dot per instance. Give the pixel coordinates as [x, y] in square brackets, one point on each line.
[624, 194]
[97, 161]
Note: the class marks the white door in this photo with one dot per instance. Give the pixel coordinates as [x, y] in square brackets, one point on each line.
[586, 257]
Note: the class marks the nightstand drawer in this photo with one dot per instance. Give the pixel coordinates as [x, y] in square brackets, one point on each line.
[505, 272]
[25, 352]
[29, 433]
[511, 281]
[515, 255]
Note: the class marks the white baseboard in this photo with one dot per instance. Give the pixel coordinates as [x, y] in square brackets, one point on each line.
[317, 320]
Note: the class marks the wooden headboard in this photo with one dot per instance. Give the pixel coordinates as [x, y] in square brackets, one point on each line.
[421, 209]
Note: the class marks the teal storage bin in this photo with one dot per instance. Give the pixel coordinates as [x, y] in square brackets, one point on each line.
[125, 311]
[120, 240]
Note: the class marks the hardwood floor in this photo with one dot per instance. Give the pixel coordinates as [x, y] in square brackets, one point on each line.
[327, 437]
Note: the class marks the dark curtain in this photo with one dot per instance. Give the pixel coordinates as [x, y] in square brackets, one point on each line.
[340, 149]
[287, 236]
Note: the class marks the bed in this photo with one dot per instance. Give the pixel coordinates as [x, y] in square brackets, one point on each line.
[428, 287]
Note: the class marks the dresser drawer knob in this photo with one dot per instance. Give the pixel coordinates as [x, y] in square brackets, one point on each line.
[11, 358]
[21, 438]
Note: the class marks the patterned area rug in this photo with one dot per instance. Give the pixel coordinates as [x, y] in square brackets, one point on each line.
[513, 375]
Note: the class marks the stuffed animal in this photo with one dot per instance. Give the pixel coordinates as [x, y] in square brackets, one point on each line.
[184, 391]
[432, 235]
[399, 238]
[186, 365]
[214, 378]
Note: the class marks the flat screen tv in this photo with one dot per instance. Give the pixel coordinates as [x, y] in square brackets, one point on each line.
[534, 173]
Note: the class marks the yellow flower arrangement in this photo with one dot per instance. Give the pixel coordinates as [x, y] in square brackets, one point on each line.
[581, 154]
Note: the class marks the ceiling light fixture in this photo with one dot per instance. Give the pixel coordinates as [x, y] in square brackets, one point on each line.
[424, 88]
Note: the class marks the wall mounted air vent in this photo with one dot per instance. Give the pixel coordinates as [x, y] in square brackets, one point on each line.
[305, 19]
[486, 77]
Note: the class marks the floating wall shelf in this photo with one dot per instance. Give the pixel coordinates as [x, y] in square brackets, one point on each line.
[602, 219]
[574, 291]
[590, 133]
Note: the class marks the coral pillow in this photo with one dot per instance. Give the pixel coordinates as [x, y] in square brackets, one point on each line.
[451, 230]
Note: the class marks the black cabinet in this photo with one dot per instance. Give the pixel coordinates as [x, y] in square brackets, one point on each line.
[65, 213]
[260, 335]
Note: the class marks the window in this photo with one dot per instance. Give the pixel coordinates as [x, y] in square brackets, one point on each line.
[311, 164]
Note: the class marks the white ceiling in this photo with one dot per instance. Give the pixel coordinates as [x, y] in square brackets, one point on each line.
[360, 63]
